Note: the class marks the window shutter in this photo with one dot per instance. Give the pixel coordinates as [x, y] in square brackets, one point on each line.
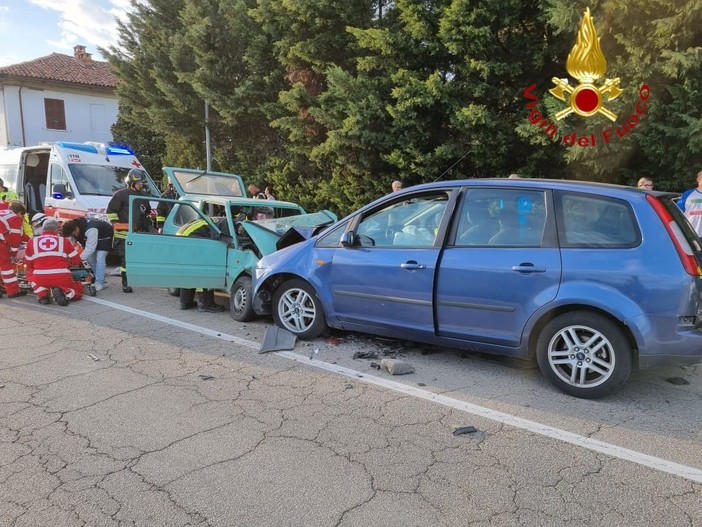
[55, 114]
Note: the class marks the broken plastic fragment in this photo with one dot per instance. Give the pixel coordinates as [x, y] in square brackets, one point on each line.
[365, 355]
[678, 381]
[465, 430]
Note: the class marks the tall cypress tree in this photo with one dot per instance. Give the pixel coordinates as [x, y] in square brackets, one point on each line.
[147, 62]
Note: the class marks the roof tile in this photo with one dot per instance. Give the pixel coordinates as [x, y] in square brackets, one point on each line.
[64, 68]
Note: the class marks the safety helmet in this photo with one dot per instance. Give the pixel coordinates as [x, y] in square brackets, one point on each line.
[135, 175]
[38, 219]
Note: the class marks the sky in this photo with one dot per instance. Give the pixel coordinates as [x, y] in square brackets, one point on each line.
[30, 29]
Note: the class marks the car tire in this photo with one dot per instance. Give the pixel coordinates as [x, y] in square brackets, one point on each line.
[297, 308]
[241, 300]
[174, 291]
[584, 354]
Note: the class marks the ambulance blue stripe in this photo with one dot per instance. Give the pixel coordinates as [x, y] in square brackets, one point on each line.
[78, 146]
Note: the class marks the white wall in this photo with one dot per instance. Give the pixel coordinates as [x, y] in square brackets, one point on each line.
[88, 117]
[3, 122]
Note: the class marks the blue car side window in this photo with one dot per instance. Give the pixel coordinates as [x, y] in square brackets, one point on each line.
[594, 221]
[502, 217]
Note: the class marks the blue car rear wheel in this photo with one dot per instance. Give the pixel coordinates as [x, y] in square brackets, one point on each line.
[584, 354]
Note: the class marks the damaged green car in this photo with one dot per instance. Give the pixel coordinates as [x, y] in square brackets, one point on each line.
[242, 230]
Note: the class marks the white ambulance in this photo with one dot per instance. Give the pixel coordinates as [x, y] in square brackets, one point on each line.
[68, 180]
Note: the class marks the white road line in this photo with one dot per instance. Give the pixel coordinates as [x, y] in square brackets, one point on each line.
[626, 454]
[177, 323]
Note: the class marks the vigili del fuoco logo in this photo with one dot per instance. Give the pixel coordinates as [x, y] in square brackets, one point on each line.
[586, 63]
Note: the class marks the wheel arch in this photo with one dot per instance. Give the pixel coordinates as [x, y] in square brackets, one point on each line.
[263, 293]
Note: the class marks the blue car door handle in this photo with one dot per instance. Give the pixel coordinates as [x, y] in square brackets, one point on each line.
[528, 268]
[412, 266]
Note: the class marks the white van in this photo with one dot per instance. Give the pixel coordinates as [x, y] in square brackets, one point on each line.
[68, 180]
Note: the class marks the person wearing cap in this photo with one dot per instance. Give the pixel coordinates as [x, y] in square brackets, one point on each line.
[48, 258]
[118, 215]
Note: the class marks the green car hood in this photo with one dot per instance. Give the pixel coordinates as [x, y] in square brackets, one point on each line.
[266, 233]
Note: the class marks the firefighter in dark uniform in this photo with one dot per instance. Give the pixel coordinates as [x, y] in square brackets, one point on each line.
[118, 215]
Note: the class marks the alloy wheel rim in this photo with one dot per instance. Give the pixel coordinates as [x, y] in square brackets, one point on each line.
[297, 311]
[581, 356]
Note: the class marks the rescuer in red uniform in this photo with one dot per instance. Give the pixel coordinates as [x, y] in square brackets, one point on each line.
[10, 239]
[47, 259]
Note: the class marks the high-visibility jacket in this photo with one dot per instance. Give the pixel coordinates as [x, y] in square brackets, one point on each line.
[27, 229]
[196, 228]
[50, 254]
[8, 195]
[10, 230]
[201, 229]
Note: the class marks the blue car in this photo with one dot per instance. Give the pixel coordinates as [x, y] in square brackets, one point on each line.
[590, 280]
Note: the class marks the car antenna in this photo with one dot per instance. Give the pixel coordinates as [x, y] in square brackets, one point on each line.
[449, 168]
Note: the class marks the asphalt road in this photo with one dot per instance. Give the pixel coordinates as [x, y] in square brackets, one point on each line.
[123, 410]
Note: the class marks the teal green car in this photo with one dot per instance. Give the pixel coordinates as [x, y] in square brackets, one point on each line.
[242, 230]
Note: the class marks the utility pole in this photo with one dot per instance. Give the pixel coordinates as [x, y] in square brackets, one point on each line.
[208, 147]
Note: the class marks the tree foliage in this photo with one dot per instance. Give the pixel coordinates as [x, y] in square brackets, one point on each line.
[331, 100]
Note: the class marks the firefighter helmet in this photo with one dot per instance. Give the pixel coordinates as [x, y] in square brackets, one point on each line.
[136, 175]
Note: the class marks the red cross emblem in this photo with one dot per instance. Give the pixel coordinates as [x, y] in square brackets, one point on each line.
[136, 163]
[48, 243]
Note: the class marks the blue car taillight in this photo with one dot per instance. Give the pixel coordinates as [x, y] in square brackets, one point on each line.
[687, 256]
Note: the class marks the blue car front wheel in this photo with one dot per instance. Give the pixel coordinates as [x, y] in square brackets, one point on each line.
[297, 308]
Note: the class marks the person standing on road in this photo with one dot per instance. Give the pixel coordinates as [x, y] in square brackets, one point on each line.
[10, 240]
[118, 215]
[269, 193]
[47, 259]
[396, 185]
[691, 204]
[96, 238]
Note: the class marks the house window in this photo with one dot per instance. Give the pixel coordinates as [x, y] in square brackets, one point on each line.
[55, 114]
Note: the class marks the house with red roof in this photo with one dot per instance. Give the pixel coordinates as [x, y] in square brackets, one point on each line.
[57, 98]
